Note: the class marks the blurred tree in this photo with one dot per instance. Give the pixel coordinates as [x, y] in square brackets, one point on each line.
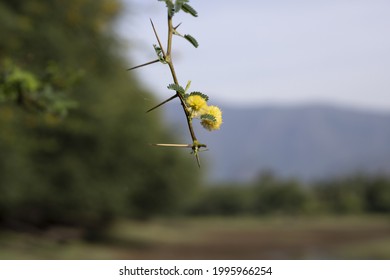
[377, 194]
[96, 164]
[273, 196]
[224, 200]
[343, 195]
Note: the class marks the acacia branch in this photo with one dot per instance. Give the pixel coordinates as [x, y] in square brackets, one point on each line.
[167, 58]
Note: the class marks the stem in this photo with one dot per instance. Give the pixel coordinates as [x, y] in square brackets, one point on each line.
[170, 35]
[168, 59]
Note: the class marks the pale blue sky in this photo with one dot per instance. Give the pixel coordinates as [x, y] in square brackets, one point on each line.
[271, 52]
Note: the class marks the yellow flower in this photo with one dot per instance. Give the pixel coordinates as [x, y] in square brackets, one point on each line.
[196, 103]
[215, 122]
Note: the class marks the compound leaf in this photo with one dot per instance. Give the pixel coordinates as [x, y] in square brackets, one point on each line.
[179, 4]
[177, 88]
[188, 9]
[208, 117]
[204, 96]
[192, 40]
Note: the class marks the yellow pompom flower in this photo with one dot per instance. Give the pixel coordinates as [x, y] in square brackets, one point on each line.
[214, 122]
[197, 104]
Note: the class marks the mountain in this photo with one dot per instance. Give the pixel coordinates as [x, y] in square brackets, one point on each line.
[306, 142]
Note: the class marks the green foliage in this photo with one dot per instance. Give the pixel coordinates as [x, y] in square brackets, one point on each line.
[96, 164]
[378, 195]
[178, 5]
[188, 9]
[23, 88]
[208, 117]
[269, 195]
[187, 86]
[170, 7]
[204, 96]
[356, 194]
[159, 54]
[176, 88]
[279, 197]
[13, 79]
[192, 40]
[342, 196]
[224, 200]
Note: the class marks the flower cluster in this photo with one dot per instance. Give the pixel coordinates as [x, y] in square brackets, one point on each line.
[210, 116]
[212, 119]
[196, 104]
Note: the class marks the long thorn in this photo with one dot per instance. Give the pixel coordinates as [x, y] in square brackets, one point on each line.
[158, 39]
[173, 145]
[197, 158]
[162, 103]
[142, 65]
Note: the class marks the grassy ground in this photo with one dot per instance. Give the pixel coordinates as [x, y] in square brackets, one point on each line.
[213, 238]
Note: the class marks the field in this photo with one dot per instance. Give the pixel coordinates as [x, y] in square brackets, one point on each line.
[365, 237]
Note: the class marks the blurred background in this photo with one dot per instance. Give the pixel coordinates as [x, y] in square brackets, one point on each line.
[299, 170]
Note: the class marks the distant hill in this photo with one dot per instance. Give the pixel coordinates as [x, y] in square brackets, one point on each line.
[306, 142]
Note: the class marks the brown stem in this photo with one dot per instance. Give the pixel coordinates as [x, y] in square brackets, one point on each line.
[176, 81]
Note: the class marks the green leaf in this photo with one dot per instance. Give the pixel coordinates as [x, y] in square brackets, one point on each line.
[208, 117]
[177, 88]
[159, 53]
[188, 9]
[204, 96]
[170, 7]
[188, 86]
[179, 4]
[192, 40]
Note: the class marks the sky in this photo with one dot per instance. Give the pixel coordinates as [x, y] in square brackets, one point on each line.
[259, 52]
